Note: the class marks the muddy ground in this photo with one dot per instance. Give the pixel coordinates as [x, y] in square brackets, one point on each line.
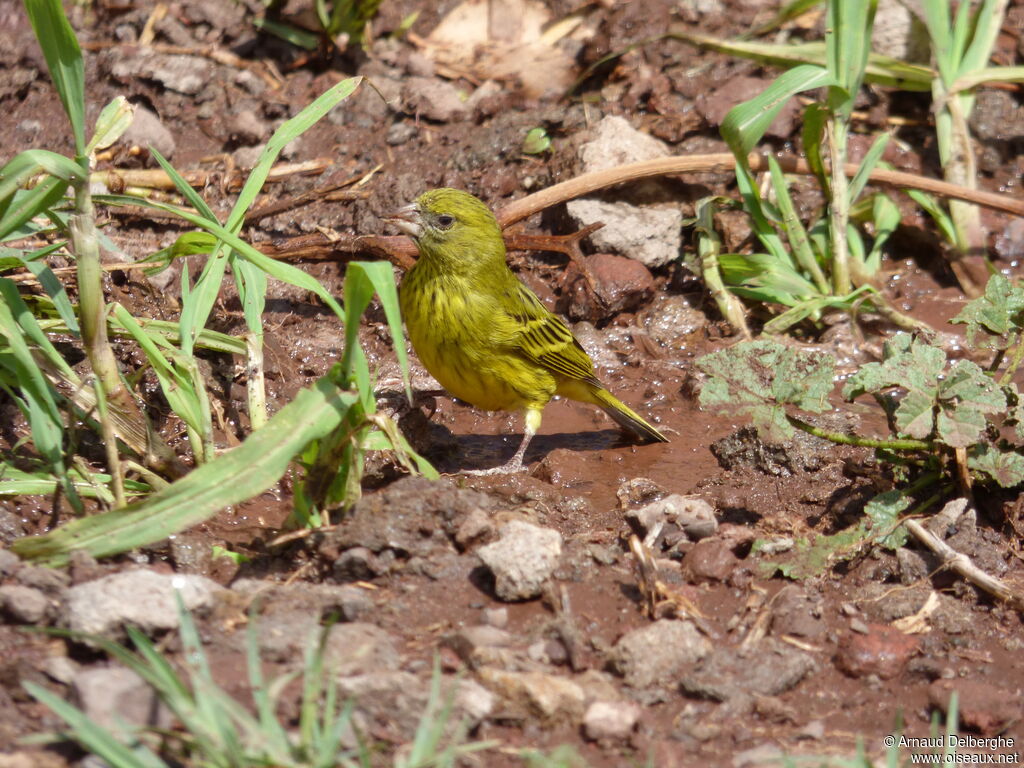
[735, 668]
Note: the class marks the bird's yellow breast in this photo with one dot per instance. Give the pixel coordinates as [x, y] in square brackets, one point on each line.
[459, 337]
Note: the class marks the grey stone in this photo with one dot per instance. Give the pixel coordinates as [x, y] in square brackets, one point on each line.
[184, 74]
[522, 560]
[549, 697]
[24, 605]
[115, 697]
[656, 655]
[147, 130]
[616, 142]
[139, 597]
[610, 719]
[694, 516]
[767, 668]
[352, 649]
[433, 99]
[50, 581]
[9, 562]
[652, 236]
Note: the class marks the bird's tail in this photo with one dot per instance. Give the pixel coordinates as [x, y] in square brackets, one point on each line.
[624, 416]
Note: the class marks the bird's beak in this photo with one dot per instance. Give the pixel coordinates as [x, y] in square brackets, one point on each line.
[407, 219]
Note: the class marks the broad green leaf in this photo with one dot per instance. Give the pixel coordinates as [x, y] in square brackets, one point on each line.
[915, 414]
[1006, 467]
[907, 362]
[884, 513]
[960, 428]
[994, 320]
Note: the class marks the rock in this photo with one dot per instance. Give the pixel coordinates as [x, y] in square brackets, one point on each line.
[48, 580]
[691, 514]
[709, 560]
[639, 492]
[610, 719]
[746, 448]
[794, 612]
[115, 696]
[656, 655]
[434, 99]
[9, 562]
[140, 597]
[344, 601]
[184, 74]
[652, 236]
[522, 560]
[899, 33]
[352, 649]
[1009, 243]
[477, 528]
[147, 130]
[623, 284]
[24, 605]
[474, 701]
[616, 142]
[534, 693]
[997, 116]
[982, 706]
[767, 668]
[883, 651]
[412, 517]
[388, 704]
[60, 668]
[496, 617]
[247, 128]
[246, 158]
[399, 133]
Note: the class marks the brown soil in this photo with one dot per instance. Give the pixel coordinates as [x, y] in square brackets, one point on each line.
[578, 463]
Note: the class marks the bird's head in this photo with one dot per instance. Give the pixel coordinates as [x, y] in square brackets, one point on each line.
[450, 223]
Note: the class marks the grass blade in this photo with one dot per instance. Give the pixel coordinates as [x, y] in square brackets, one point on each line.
[229, 479]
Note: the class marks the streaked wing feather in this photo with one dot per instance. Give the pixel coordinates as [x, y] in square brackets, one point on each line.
[545, 339]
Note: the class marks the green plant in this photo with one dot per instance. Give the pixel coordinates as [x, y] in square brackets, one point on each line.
[961, 47]
[946, 418]
[341, 21]
[216, 730]
[826, 264]
[329, 426]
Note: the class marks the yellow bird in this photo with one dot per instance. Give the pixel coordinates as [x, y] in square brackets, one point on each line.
[480, 332]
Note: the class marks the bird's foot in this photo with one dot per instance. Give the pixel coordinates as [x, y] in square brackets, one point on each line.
[509, 468]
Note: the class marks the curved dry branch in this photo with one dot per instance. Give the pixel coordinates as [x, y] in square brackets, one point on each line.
[723, 162]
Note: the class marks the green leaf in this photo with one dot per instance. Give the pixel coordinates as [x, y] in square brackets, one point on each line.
[64, 60]
[994, 320]
[536, 142]
[759, 377]
[1006, 467]
[884, 513]
[915, 415]
[907, 362]
[114, 120]
[233, 477]
[746, 123]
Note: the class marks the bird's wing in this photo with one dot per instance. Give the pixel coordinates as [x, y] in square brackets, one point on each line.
[544, 339]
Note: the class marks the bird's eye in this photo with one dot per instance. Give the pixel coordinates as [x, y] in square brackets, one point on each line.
[444, 221]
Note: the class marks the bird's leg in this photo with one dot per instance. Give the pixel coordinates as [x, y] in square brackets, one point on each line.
[515, 464]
